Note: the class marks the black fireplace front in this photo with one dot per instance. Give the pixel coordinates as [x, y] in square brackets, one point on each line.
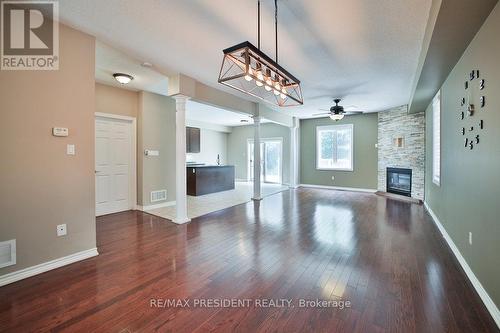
[399, 181]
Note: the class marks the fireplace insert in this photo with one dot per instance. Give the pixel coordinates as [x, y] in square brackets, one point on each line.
[399, 181]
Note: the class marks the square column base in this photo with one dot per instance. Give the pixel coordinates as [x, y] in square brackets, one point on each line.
[181, 221]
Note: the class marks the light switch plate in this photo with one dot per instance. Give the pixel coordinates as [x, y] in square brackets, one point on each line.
[70, 149]
[61, 230]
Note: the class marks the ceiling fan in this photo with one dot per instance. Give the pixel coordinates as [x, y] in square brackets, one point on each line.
[337, 112]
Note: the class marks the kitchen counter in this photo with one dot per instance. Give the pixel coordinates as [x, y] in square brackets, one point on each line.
[205, 179]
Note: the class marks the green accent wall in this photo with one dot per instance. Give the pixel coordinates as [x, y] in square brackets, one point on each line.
[365, 153]
[237, 147]
[468, 198]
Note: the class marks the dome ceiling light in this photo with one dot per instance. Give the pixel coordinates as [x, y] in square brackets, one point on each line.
[249, 70]
[123, 78]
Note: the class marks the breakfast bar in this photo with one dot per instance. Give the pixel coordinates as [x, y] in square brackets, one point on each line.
[205, 179]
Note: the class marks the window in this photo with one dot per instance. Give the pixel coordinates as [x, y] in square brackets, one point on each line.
[436, 139]
[334, 147]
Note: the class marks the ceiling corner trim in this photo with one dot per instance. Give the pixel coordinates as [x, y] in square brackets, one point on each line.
[448, 40]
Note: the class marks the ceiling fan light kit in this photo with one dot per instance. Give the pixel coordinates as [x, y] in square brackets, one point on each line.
[247, 69]
[337, 117]
[337, 111]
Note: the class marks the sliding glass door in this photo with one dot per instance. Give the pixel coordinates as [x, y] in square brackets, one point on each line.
[271, 152]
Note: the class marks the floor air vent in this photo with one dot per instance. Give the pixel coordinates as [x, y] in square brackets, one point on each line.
[7, 253]
[160, 195]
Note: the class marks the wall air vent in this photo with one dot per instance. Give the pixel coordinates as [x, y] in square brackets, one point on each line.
[7, 253]
[160, 195]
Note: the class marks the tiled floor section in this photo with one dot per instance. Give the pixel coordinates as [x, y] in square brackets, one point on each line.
[204, 204]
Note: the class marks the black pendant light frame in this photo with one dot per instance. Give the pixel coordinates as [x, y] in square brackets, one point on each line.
[249, 70]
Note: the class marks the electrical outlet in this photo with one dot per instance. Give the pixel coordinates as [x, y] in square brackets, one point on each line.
[61, 230]
[333, 178]
[470, 238]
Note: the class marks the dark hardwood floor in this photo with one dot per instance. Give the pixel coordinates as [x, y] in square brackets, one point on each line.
[382, 255]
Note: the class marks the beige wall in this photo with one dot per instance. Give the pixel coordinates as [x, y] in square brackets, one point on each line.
[41, 186]
[156, 131]
[114, 100]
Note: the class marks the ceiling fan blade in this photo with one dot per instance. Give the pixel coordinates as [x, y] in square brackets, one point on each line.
[322, 113]
[353, 112]
[327, 110]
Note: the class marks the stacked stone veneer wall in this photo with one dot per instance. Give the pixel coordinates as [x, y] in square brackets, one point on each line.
[398, 123]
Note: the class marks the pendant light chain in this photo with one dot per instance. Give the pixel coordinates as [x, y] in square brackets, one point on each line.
[276, 27]
[258, 24]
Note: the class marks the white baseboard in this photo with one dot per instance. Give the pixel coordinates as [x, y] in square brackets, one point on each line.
[46, 266]
[490, 305]
[151, 207]
[339, 188]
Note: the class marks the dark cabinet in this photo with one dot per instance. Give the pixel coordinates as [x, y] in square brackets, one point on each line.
[202, 180]
[192, 140]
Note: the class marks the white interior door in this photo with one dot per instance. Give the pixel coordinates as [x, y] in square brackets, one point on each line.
[113, 140]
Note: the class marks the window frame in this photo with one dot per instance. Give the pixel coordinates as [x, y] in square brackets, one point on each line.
[436, 139]
[335, 128]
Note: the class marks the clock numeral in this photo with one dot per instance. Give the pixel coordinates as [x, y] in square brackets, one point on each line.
[466, 85]
[481, 84]
[481, 124]
[474, 75]
[463, 130]
[483, 101]
[463, 115]
[471, 144]
[462, 102]
[470, 110]
[466, 142]
[471, 128]
[477, 139]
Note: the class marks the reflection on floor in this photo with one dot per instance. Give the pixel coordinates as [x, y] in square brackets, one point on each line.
[204, 204]
[383, 256]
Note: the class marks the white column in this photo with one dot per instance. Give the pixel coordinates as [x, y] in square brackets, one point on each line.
[256, 159]
[180, 160]
[294, 153]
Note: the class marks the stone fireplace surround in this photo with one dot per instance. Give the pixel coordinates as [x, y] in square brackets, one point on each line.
[393, 125]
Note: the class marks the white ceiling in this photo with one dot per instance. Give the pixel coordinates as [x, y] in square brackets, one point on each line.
[213, 115]
[109, 61]
[364, 51]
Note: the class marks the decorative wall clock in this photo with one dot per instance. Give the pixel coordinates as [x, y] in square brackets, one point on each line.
[472, 106]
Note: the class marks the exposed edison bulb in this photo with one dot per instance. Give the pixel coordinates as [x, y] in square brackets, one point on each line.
[277, 88]
[260, 78]
[269, 81]
[283, 93]
[248, 77]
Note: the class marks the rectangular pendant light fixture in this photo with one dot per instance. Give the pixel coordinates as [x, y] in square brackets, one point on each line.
[249, 70]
